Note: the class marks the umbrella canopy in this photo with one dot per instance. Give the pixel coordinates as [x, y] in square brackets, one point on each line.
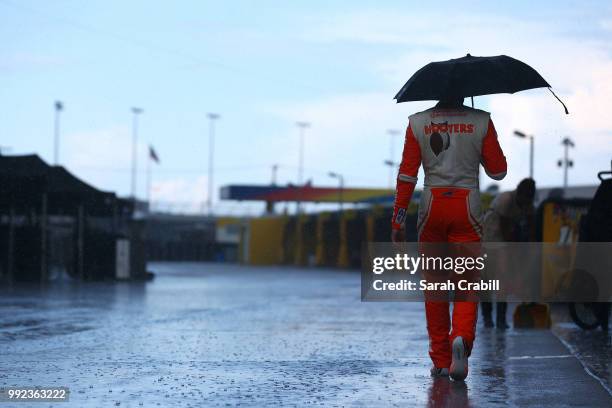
[471, 76]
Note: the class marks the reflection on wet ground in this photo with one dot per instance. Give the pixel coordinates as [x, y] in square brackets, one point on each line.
[215, 335]
[592, 347]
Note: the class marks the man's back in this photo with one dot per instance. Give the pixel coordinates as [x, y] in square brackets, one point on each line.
[451, 142]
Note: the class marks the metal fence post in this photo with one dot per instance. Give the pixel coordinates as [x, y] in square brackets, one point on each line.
[11, 245]
[43, 240]
[80, 239]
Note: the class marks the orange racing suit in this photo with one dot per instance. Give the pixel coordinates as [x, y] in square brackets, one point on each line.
[450, 144]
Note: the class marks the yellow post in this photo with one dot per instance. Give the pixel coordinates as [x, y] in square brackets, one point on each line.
[243, 243]
[343, 255]
[299, 241]
[320, 245]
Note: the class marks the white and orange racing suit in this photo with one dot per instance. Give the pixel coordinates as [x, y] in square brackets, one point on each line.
[451, 144]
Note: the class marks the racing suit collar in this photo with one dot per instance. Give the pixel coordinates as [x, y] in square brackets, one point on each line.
[446, 105]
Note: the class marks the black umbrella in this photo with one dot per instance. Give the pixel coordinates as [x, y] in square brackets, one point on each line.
[471, 76]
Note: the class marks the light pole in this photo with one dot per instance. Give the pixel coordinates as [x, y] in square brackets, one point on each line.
[302, 126]
[530, 137]
[59, 106]
[135, 113]
[566, 162]
[212, 117]
[341, 191]
[392, 133]
[274, 172]
[392, 168]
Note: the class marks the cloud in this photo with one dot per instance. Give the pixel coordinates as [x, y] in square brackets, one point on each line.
[415, 29]
[181, 194]
[103, 158]
[22, 61]
[111, 147]
[606, 24]
[100, 156]
[348, 132]
[578, 69]
[587, 90]
[348, 135]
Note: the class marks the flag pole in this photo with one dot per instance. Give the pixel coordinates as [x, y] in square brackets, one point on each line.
[149, 179]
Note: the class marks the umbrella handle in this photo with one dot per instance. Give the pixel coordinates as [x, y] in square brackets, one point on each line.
[471, 97]
[555, 95]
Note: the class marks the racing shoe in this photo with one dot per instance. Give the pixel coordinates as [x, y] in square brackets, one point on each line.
[459, 365]
[439, 372]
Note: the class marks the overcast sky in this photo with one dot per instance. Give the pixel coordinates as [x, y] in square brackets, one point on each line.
[265, 65]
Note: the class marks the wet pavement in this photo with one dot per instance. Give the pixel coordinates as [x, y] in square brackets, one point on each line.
[217, 335]
[592, 347]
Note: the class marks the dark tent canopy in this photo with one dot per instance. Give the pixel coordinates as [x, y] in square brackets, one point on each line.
[24, 180]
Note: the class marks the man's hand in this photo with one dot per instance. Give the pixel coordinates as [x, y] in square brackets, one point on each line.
[398, 235]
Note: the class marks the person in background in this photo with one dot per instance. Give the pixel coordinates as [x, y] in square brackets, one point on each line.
[511, 218]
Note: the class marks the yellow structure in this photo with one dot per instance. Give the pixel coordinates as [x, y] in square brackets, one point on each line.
[262, 240]
[560, 224]
[228, 230]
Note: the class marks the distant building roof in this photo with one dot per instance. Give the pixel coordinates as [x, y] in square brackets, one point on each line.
[307, 193]
[25, 178]
[33, 170]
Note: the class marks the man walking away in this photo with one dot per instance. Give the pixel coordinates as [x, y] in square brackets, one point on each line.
[451, 141]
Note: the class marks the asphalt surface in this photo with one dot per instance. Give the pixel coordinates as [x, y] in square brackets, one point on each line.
[218, 335]
[592, 347]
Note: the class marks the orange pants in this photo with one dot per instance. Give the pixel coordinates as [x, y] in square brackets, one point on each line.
[447, 218]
